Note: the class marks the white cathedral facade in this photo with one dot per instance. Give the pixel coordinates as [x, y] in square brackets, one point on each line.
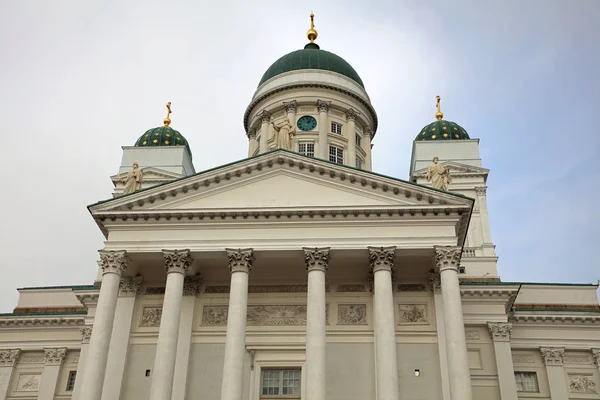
[299, 273]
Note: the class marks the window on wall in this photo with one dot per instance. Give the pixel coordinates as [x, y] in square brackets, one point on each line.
[336, 128]
[358, 162]
[280, 383]
[336, 154]
[527, 382]
[306, 148]
[71, 381]
[357, 139]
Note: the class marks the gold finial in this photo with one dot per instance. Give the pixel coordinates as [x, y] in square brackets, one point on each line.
[439, 114]
[167, 120]
[312, 33]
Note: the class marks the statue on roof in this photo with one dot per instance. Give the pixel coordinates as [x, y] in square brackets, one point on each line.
[133, 181]
[438, 175]
[284, 132]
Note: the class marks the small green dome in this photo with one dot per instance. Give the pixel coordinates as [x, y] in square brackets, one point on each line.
[162, 136]
[311, 57]
[443, 130]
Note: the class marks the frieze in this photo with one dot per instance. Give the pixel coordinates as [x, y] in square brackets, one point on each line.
[582, 384]
[32, 359]
[217, 289]
[582, 359]
[151, 317]
[276, 288]
[276, 315]
[410, 287]
[352, 288]
[413, 313]
[352, 314]
[155, 290]
[471, 335]
[28, 383]
[523, 359]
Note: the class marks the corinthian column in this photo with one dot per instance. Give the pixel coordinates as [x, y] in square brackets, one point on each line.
[382, 263]
[251, 141]
[291, 107]
[177, 263]
[447, 260]
[317, 261]
[112, 263]
[500, 334]
[366, 144]
[265, 130]
[323, 149]
[483, 214]
[553, 359]
[351, 136]
[240, 264]
[8, 359]
[53, 360]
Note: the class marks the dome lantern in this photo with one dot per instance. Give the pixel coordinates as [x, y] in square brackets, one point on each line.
[163, 135]
[442, 129]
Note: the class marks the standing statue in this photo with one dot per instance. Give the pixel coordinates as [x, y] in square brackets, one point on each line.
[284, 133]
[438, 175]
[133, 181]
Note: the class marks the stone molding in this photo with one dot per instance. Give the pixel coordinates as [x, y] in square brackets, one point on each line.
[177, 261]
[290, 106]
[88, 299]
[9, 357]
[86, 333]
[316, 259]
[481, 190]
[129, 287]
[264, 116]
[351, 114]
[191, 285]
[240, 260]
[553, 355]
[55, 356]
[351, 287]
[500, 332]
[251, 134]
[36, 321]
[435, 282]
[596, 355]
[113, 262]
[323, 106]
[555, 319]
[447, 257]
[382, 258]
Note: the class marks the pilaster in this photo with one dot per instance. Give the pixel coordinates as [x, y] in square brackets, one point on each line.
[252, 144]
[86, 333]
[553, 358]
[8, 360]
[483, 214]
[500, 334]
[351, 115]
[366, 145]
[436, 287]
[54, 358]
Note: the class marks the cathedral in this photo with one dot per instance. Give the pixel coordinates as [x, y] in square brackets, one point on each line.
[300, 273]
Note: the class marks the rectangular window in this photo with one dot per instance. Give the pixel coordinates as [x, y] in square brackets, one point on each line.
[280, 383]
[306, 148]
[357, 139]
[358, 162]
[336, 128]
[336, 154]
[527, 382]
[71, 381]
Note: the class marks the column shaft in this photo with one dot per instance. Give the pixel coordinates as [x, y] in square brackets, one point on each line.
[177, 263]
[456, 343]
[86, 333]
[553, 359]
[54, 360]
[483, 215]
[323, 148]
[351, 136]
[112, 264]
[265, 131]
[434, 281]
[366, 145]
[382, 261]
[500, 334]
[8, 359]
[240, 263]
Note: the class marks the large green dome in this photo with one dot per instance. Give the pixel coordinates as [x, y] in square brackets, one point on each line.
[443, 130]
[311, 57]
[162, 136]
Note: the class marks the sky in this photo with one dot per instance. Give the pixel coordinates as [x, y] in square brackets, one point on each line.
[80, 79]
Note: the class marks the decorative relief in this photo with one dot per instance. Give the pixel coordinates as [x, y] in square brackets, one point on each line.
[151, 317]
[409, 287]
[9, 357]
[352, 314]
[55, 356]
[191, 286]
[177, 260]
[351, 288]
[86, 333]
[113, 261]
[413, 313]
[128, 287]
[29, 383]
[571, 359]
[500, 332]
[155, 290]
[382, 258]
[316, 259]
[552, 355]
[582, 384]
[276, 315]
[472, 335]
[214, 315]
[216, 289]
[447, 257]
[596, 355]
[522, 359]
[240, 260]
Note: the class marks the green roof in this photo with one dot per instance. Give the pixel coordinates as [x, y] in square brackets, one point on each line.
[443, 130]
[311, 57]
[162, 136]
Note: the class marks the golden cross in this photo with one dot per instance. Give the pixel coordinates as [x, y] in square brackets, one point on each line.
[167, 120]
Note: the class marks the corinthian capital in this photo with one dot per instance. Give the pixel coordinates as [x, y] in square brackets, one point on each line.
[55, 356]
[351, 114]
[434, 282]
[447, 257]
[86, 333]
[290, 106]
[113, 262]
[382, 258]
[481, 190]
[368, 132]
[251, 134]
[191, 285]
[553, 355]
[316, 259]
[264, 116]
[9, 357]
[323, 106]
[500, 332]
[177, 260]
[240, 260]
[128, 287]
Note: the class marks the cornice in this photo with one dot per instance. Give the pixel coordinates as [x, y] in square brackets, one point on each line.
[503, 293]
[562, 318]
[41, 321]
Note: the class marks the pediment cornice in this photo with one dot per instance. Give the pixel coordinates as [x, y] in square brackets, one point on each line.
[456, 169]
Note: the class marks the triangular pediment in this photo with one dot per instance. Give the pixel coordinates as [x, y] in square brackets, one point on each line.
[150, 174]
[281, 180]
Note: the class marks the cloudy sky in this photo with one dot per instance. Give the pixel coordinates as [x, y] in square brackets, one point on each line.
[80, 79]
